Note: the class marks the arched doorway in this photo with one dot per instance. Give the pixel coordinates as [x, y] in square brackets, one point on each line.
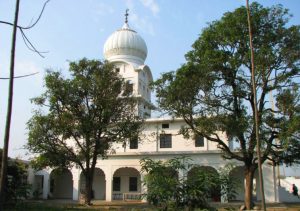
[61, 184]
[194, 172]
[126, 184]
[99, 184]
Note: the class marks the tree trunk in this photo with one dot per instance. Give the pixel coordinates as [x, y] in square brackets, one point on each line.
[88, 188]
[249, 173]
[89, 178]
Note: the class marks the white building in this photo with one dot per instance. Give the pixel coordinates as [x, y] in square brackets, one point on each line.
[118, 177]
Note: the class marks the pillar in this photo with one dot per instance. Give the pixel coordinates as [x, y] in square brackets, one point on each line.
[108, 182]
[46, 184]
[76, 179]
[108, 194]
[269, 183]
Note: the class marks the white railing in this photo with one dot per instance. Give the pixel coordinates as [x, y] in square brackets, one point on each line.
[127, 196]
[117, 196]
[132, 196]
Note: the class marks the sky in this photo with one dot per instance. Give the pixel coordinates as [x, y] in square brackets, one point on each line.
[72, 29]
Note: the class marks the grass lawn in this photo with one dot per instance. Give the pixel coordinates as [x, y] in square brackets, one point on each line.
[59, 206]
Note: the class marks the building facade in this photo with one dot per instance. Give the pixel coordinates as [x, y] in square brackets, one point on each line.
[119, 176]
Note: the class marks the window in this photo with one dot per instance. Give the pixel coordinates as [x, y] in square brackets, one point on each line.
[165, 125]
[116, 183]
[132, 183]
[134, 143]
[199, 141]
[129, 87]
[117, 70]
[165, 141]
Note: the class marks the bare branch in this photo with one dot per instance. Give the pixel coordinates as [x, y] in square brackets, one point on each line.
[27, 42]
[32, 25]
[30, 46]
[37, 20]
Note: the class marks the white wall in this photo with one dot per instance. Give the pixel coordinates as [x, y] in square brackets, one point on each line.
[99, 185]
[150, 141]
[285, 190]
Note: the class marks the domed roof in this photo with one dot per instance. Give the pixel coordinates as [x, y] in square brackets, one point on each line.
[125, 43]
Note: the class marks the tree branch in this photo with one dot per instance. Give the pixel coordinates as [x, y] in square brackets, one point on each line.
[32, 25]
[27, 42]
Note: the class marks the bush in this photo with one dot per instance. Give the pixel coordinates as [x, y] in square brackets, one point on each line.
[17, 188]
[165, 189]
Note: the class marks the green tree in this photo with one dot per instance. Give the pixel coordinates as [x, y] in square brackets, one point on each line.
[212, 91]
[80, 117]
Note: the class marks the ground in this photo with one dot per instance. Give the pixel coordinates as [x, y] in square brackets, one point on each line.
[62, 205]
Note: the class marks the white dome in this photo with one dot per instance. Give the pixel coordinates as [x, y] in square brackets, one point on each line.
[125, 43]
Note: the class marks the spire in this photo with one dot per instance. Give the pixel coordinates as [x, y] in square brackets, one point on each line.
[126, 16]
[125, 26]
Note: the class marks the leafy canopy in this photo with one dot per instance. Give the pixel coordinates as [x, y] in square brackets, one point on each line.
[213, 92]
[79, 117]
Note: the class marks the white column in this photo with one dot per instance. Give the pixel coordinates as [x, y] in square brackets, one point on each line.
[269, 183]
[46, 185]
[275, 183]
[76, 178]
[207, 144]
[108, 182]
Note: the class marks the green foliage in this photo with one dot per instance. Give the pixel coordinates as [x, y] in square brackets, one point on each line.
[165, 189]
[161, 180]
[229, 184]
[198, 188]
[213, 92]
[79, 117]
[289, 123]
[17, 188]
